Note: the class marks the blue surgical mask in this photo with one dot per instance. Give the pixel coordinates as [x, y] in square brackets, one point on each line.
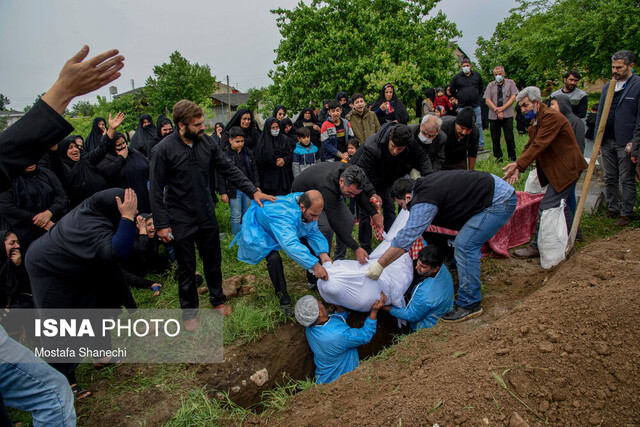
[499, 78]
[424, 139]
[275, 132]
[530, 115]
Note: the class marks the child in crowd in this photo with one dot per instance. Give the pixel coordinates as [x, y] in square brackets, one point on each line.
[244, 159]
[335, 133]
[590, 135]
[305, 154]
[442, 100]
[352, 147]
[440, 111]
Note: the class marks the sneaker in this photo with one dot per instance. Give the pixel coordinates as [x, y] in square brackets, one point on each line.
[286, 309]
[460, 314]
[624, 221]
[528, 252]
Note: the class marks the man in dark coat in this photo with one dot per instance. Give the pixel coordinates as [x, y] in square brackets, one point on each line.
[336, 180]
[467, 87]
[431, 139]
[185, 162]
[387, 155]
[463, 136]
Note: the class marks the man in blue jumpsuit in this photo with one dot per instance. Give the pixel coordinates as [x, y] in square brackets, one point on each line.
[333, 342]
[282, 225]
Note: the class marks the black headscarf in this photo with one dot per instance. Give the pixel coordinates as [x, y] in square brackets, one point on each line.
[14, 280]
[323, 113]
[134, 173]
[80, 179]
[214, 135]
[273, 178]
[144, 135]
[430, 94]
[32, 192]
[302, 122]
[251, 134]
[278, 108]
[346, 109]
[399, 112]
[292, 135]
[162, 120]
[92, 140]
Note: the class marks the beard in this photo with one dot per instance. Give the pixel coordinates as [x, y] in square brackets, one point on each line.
[192, 136]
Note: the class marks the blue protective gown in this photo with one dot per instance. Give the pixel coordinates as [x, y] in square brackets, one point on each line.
[334, 345]
[279, 226]
[430, 299]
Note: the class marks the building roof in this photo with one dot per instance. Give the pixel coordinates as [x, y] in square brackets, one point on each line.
[236, 98]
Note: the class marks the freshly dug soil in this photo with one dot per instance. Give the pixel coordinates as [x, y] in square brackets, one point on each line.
[566, 355]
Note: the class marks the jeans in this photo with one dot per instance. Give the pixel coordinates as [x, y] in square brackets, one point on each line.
[618, 170]
[496, 127]
[475, 233]
[238, 207]
[34, 386]
[478, 111]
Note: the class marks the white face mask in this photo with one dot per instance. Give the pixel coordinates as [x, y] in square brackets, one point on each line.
[466, 70]
[499, 78]
[275, 132]
[424, 139]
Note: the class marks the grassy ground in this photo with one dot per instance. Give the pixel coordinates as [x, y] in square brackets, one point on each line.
[253, 316]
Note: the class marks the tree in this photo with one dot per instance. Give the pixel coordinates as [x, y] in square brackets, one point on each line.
[542, 39]
[82, 108]
[29, 107]
[132, 105]
[4, 101]
[357, 46]
[176, 80]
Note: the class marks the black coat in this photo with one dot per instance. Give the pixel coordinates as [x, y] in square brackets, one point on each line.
[188, 173]
[145, 137]
[15, 288]
[32, 193]
[274, 179]
[455, 150]
[75, 265]
[25, 142]
[325, 178]
[95, 135]
[381, 167]
[399, 112]
[246, 162]
[251, 134]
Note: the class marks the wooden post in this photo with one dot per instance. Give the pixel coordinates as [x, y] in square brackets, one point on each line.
[592, 165]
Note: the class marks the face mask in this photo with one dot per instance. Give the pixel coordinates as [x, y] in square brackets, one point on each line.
[530, 115]
[424, 139]
[499, 78]
[466, 70]
[275, 132]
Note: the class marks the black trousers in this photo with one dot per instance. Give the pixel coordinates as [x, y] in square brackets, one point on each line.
[208, 241]
[364, 219]
[276, 274]
[496, 127]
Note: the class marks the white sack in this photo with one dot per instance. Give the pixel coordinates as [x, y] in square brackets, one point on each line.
[533, 184]
[553, 236]
[349, 287]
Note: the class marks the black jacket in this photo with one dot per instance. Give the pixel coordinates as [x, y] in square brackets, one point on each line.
[455, 151]
[246, 162]
[189, 174]
[381, 167]
[25, 142]
[468, 90]
[325, 178]
[435, 150]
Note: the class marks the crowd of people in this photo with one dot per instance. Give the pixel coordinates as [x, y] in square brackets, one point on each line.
[85, 219]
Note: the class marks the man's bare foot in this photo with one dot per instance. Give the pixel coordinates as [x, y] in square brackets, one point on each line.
[224, 309]
[191, 325]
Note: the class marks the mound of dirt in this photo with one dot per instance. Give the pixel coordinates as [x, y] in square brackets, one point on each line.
[567, 355]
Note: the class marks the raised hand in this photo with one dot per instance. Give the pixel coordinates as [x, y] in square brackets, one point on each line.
[129, 207]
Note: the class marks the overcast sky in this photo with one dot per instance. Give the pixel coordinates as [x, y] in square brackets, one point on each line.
[234, 38]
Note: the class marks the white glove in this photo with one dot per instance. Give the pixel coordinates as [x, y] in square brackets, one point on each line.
[374, 271]
[414, 174]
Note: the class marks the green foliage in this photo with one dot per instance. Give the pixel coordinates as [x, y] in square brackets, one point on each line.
[82, 108]
[81, 125]
[176, 80]
[261, 101]
[4, 101]
[132, 105]
[357, 46]
[542, 39]
[29, 107]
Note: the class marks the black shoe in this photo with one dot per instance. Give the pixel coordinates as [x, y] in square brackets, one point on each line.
[286, 309]
[460, 314]
[199, 279]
